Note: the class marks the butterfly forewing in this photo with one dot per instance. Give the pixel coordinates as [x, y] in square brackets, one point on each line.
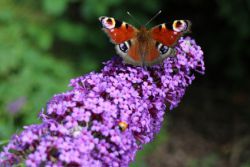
[118, 31]
[169, 33]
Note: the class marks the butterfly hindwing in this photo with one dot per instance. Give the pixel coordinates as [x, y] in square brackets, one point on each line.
[139, 53]
[157, 52]
[118, 31]
[143, 54]
[131, 55]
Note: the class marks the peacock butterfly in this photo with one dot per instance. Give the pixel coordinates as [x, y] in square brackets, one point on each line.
[144, 47]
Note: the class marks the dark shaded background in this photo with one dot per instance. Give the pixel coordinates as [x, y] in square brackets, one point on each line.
[45, 43]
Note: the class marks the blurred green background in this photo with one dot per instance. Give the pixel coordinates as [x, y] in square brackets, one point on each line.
[43, 44]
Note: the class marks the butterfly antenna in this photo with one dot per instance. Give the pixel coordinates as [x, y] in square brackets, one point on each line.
[153, 17]
[134, 18]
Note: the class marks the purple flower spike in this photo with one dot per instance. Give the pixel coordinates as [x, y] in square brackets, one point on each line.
[108, 116]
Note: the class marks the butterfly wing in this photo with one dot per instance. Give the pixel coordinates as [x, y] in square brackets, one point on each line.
[118, 31]
[169, 33]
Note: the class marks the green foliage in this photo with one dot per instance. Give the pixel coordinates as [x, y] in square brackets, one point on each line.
[246, 165]
[234, 36]
[92, 9]
[28, 70]
[56, 8]
[64, 30]
[208, 161]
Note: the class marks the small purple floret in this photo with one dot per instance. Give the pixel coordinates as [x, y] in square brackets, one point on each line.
[82, 126]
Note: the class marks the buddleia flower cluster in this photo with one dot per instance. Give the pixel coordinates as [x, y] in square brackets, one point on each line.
[107, 116]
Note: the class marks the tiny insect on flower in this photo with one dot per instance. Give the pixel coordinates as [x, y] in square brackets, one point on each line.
[123, 125]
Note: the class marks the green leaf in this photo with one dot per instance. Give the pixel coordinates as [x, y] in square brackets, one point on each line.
[41, 36]
[95, 8]
[55, 7]
[71, 32]
[3, 142]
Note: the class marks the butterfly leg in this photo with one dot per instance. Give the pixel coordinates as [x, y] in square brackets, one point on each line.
[144, 66]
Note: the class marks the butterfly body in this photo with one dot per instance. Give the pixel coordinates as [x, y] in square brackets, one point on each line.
[141, 42]
[141, 46]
